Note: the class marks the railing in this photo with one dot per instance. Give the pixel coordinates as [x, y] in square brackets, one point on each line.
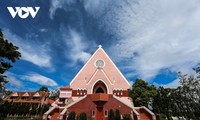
[48, 112]
[62, 114]
[148, 111]
[134, 114]
[151, 113]
[100, 97]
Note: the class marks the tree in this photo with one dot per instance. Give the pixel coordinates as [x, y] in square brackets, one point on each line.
[83, 116]
[190, 92]
[117, 115]
[8, 54]
[163, 102]
[71, 116]
[183, 101]
[53, 94]
[5, 108]
[141, 93]
[43, 89]
[111, 115]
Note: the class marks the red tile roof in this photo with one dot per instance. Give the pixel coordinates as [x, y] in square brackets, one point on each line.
[66, 88]
[51, 101]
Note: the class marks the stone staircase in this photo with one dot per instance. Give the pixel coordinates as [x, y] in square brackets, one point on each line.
[57, 112]
[55, 116]
[140, 113]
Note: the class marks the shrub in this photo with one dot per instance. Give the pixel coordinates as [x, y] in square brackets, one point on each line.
[117, 114]
[111, 115]
[126, 117]
[83, 116]
[71, 116]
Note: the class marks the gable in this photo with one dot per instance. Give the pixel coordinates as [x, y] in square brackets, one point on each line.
[15, 94]
[93, 65]
[36, 94]
[25, 95]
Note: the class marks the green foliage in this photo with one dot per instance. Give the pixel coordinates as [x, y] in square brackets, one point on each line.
[54, 94]
[163, 101]
[189, 92]
[71, 116]
[32, 110]
[4, 110]
[83, 116]
[45, 108]
[22, 109]
[43, 89]
[117, 114]
[111, 115]
[126, 117]
[183, 101]
[8, 55]
[141, 93]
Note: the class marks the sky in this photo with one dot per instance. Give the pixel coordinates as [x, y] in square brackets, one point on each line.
[152, 40]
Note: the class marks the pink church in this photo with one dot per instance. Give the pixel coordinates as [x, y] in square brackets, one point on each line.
[98, 87]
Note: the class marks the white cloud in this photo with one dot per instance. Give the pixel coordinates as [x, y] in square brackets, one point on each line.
[173, 84]
[43, 30]
[36, 54]
[131, 84]
[95, 8]
[14, 82]
[75, 41]
[39, 79]
[153, 35]
[156, 35]
[56, 4]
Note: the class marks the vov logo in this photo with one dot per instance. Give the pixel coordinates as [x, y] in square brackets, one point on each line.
[23, 12]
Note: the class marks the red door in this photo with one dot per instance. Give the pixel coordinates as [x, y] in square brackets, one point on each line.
[99, 114]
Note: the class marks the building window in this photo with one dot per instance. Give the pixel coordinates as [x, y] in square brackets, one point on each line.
[100, 90]
[106, 113]
[85, 92]
[114, 92]
[93, 113]
[99, 64]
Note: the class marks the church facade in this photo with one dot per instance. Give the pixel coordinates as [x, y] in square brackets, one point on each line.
[96, 89]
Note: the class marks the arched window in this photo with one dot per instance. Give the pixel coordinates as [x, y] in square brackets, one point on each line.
[99, 90]
[99, 87]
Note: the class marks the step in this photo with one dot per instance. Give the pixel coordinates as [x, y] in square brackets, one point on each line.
[55, 116]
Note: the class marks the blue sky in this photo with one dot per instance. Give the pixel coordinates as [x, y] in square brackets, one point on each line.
[152, 40]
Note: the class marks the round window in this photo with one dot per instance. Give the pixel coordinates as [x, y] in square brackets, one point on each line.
[100, 63]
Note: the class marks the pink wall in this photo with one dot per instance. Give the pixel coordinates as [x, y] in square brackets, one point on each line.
[109, 74]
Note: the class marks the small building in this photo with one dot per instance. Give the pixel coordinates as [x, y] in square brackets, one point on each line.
[96, 89]
[33, 98]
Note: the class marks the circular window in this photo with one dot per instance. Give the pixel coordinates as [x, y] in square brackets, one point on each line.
[100, 63]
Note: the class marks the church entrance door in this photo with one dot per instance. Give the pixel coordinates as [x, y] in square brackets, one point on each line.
[99, 113]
